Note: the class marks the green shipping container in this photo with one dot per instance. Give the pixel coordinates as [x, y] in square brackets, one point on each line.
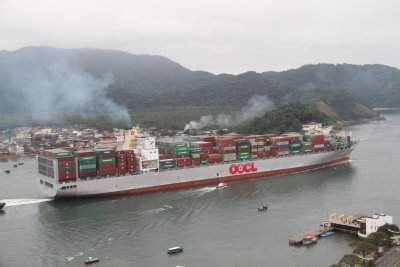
[62, 154]
[243, 146]
[106, 160]
[204, 161]
[86, 162]
[167, 166]
[295, 151]
[307, 150]
[66, 168]
[307, 144]
[295, 145]
[88, 166]
[87, 158]
[243, 155]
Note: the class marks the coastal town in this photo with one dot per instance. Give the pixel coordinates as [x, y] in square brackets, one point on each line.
[25, 141]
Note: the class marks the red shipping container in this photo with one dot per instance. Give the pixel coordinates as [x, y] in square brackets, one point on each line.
[283, 149]
[232, 151]
[243, 150]
[234, 136]
[203, 156]
[66, 163]
[196, 161]
[120, 152]
[129, 151]
[85, 153]
[64, 159]
[260, 154]
[62, 173]
[69, 176]
[184, 162]
[212, 158]
[106, 156]
[267, 153]
[273, 151]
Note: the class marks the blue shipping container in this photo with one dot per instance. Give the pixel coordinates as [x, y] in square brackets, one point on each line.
[89, 174]
[105, 152]
[283, 146]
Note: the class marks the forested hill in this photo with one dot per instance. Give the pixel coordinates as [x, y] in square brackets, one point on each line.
[156, 90]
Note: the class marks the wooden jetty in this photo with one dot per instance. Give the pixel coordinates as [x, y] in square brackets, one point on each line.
[298, 240]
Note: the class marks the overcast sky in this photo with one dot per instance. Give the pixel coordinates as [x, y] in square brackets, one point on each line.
[218, 36]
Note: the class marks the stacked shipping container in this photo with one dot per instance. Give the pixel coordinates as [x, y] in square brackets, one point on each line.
[87, 164]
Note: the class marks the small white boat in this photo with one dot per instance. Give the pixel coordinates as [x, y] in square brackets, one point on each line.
[91, 260]
[167, 207]
[175, 250]
[221, 185]
[310, 240]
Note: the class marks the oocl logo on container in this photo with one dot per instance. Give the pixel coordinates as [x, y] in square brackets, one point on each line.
[241, 168]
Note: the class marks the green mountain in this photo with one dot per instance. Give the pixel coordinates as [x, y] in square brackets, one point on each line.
[40, 83]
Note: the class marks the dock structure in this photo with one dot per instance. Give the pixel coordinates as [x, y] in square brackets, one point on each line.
[345, 223]
[334, 222]
[298, 240]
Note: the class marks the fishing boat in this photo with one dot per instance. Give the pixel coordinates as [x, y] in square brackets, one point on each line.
[175, 250]
[221, 186]
[91, 260]
[20, 163]
[309, 240]
[2, 204]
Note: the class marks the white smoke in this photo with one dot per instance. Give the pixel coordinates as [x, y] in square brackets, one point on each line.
[51, 82]
[255, 107]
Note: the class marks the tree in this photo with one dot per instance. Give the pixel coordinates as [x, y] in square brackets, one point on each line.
[350, 260]
[388, 229]
[363, 248]
[378, 238]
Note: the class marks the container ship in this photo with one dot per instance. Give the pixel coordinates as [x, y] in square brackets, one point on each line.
[148, 165]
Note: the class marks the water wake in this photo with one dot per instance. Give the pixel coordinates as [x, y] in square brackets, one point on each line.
[24, 201]
[197, 192]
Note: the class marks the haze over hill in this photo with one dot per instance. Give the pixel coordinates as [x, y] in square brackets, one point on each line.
[157, 91]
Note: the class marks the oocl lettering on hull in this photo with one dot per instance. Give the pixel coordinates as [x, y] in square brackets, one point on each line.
[242, 168]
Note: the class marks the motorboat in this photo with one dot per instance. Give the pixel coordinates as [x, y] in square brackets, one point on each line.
[91, 260]
[7, 171]
[221, 185]
[175, 250]
[167, 207]
[2, 204]
[262, 207]
[20, 163]
[327, 234]
[309, 240]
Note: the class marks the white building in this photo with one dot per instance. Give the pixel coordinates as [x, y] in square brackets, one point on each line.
[119, 138]
[372, 223]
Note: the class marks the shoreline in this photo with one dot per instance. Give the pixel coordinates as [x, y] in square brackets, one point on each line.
[385, 109]
[347, 123]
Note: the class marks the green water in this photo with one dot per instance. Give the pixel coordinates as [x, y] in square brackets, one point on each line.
[215, 227]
